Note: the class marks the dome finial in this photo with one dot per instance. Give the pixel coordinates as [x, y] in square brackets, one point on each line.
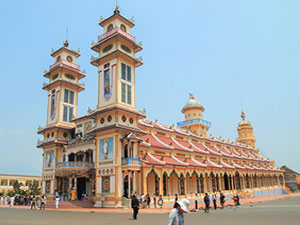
[192, 96]
[117, 11]
[243, 115]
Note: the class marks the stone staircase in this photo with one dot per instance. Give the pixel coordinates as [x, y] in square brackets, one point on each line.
[70, 204]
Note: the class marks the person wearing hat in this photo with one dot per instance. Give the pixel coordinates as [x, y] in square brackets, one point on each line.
[176, 214]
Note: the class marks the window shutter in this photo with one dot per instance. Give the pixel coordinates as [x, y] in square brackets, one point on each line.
[129, 73]
[123, 71]
[65, 114]
[129, 94]
[70, 114]
[66, 96]
[71, 97]
[123, 93]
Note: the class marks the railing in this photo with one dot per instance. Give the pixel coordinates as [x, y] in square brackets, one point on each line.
[65, 62]
[39, 142]
[189, 122]
[78, 164]
[131, 161]
[114, 31]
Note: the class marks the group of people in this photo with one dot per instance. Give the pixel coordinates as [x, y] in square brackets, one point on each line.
[31, 201]
[207, 201]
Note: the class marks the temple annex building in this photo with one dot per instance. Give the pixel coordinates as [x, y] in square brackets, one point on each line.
[114, 151]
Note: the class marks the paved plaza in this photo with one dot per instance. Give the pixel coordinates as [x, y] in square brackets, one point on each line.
[277, 212]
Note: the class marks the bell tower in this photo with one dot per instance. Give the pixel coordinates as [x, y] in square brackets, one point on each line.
[245, 132]
[194, 121]
[63, 88]
[116, 62]
[116, 130]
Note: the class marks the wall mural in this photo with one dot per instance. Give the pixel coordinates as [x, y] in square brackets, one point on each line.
[106, 149]
[49, 159]
[107, 84]
[105, 184]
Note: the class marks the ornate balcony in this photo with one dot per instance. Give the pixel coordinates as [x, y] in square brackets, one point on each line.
[194, 121]
[116, 30]
[131, 161]
[79, 164]
[63, 62]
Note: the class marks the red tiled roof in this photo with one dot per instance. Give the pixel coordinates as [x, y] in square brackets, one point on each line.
[226, 165]
[149, 159]
[212, 164]
[200, 147]
[148, 138]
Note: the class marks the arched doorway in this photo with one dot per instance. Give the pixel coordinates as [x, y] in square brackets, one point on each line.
[226, 182]
[173, 184]
[237, 181]
[201, 182]
[152, 183]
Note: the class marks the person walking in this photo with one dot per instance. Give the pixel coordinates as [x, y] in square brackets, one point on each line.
[33, 203]
[154, 200]
[12, 199]
[222, 200]
[143, 200]
[148, 200]
[43, 202]
[176, 215]
[56, 202]
[5, 200]
[206, 201]
[214, 199]
[2, 200]
[135, 205]
[196, 201]
[237, 199]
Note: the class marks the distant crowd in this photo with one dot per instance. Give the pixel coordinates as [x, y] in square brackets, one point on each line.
[32, 201]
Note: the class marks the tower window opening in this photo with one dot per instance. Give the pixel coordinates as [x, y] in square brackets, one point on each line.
[126, 95]
[123, 28]
[69, 96]
[110, 27]
[126, 72]
[58, 58]
[69, 58]
[67, 113]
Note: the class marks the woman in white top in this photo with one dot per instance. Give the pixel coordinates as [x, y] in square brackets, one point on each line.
[176, 214]
[12, 199]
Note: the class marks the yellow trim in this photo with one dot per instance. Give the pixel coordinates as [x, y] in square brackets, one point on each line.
[117, 80]
[116, 166]
[98, 106]
[58, 108]
[48, 108]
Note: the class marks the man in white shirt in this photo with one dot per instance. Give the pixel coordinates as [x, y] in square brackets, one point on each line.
[176, 214]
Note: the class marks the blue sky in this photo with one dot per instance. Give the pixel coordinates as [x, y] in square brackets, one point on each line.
[231, 55]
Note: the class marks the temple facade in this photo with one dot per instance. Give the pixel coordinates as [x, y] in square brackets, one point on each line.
[113, 151]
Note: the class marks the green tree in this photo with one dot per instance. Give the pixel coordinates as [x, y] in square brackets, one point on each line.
[17, 187]
[35, 188]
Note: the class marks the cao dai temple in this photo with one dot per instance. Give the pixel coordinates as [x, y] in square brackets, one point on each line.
[114, 151]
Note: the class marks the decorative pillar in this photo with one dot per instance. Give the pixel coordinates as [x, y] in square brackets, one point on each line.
[129, 184]
[161, 185]
[139, 183]
[134, 181]
[186, 180]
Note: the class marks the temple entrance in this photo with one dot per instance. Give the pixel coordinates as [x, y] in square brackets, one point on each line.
[83, 186]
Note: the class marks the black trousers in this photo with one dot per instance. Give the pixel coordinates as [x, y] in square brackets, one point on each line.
[215, 204]
[135, 212]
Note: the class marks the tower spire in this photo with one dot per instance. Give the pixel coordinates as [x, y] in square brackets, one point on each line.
[243, 115]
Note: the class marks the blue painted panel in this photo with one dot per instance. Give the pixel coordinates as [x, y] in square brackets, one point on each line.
[283, 192]
[257, 194]
[271, 193]
[277, 191]
[265, 193]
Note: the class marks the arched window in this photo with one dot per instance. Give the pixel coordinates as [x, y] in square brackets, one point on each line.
[58, 58]
[69, 58]
[110, 27]
[123, 28]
